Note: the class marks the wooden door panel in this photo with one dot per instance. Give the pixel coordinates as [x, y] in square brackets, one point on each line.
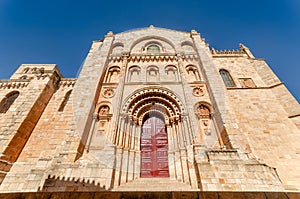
[154, 149]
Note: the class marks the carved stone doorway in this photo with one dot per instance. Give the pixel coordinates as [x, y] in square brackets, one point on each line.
[154, 148]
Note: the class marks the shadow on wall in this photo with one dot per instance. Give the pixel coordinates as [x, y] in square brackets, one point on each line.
[61, 184]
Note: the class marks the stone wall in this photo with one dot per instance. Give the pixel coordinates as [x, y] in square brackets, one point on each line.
[53, 139]
[17, 124]
[263, 117]
[225, 170]
[59, 135]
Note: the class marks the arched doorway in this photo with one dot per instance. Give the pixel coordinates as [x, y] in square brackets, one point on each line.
[154, 148]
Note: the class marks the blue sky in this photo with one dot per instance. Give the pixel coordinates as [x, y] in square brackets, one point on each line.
[61, 31]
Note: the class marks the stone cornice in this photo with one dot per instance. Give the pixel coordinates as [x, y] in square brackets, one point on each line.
[242, 52]
[14, 83]
[162, 57]
[228, 53]
[67, 82]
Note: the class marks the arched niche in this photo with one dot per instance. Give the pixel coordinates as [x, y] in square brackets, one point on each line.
[113, 74]
[192, 73]
[171, 73]
[208, 132]
[152, 74]
[134, 73]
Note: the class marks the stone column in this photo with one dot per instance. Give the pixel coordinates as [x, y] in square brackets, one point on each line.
[171, 152]
[185, 170]
[133, 135]
[127, 134]
[137, 159]
[119, 136]
[117, 177]
[124, 167]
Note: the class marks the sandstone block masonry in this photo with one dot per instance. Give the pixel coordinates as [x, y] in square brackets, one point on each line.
[151, 110]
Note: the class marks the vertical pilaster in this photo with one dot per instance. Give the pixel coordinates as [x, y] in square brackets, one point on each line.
[171, 150]
[87, 88]
[119, 154]
[91, 133]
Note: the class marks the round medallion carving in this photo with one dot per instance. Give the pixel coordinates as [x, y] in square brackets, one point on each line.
[198, 91]
[108, 93]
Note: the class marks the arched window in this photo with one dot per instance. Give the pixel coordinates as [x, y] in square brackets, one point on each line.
[153, 49]
[228, 81]
[64, 102]
[7, 101]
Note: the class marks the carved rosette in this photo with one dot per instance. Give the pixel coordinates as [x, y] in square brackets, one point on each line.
[108, 93]
[198, 91]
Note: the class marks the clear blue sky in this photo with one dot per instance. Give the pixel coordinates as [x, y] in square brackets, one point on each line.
[61, 31]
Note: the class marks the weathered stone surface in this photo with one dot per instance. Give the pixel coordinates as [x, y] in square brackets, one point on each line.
[88, 135]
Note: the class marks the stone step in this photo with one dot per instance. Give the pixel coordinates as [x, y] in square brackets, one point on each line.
[154, 184]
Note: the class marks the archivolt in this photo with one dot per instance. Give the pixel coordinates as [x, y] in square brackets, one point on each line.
[147, 100]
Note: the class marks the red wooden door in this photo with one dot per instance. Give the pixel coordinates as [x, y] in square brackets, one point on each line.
[154, 149]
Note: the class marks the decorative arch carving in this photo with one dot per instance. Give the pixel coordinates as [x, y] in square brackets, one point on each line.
[103, 110]
[203, 111]
[103, 113]
[140, 114]
[149, 38]
[113, 74]
[152, 74]
[171, 72]
[153, 99]
[193, 73]
[134, 73]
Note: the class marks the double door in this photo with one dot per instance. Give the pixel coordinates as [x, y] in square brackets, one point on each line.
[154, 149]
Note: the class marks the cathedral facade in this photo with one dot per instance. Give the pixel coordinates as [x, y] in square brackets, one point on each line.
[152, 109]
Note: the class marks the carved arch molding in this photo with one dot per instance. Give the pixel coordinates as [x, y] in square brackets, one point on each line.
[154, 124]
[148, 100]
